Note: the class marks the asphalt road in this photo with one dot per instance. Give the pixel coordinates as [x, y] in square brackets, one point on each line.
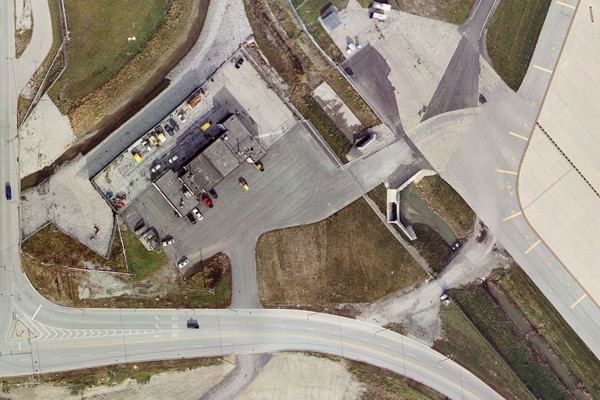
[459, 87]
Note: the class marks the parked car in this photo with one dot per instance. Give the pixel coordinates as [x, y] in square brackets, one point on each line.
[8, 192]
[197, 214]
[213, 193]
[181, 117]
[193, 324]
[259, 166]
[173, 159]
[168, 242]
[207, 201]
[174, 124]
[183, 263]
[239, 63]
[169, 130]
[147, 145]
[244, 184]
[192, 219]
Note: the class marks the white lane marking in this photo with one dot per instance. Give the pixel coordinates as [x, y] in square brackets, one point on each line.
[55, 357]
[144, 350]
[365, 340]
[84, 355]
[226, 344]
[113, 352]
[386, 346]
[412, 355]
[310, 329]
[169, 348]
[198, 345]
[36, 312]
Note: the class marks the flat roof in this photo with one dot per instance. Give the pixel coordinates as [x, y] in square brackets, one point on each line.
[171, 188]
[201, 174]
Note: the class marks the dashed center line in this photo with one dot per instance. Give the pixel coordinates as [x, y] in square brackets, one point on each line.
[502, 171]
[531, 248]
[517, 135]
[512, 216]
[577, 302]
[541, 68]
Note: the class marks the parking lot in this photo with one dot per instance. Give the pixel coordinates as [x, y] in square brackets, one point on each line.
[299, 185]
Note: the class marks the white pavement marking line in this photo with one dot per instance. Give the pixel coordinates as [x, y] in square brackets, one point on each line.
[385, 345]
[531, 248]
[565, 4]
[519, 136]
[577, 302]
[36, 312]
[542, 69]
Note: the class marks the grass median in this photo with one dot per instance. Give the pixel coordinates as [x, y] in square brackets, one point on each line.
[554, 329]
[349, 257]
[463, 343]
[512, 36]
[494, 325]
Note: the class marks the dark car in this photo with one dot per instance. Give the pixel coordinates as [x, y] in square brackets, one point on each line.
[239, 63]
[213, 193]
[193, 324]
[159, 130]
[192, 218]
[174, 124]
[207, 201]
[8, 192]
[169, 130]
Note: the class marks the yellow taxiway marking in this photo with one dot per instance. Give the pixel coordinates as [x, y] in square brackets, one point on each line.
[512, 216]
[577, 302]
[349, 344]
[565, 4]
[518, 136]
[531, 248]
[506, 172]
[542, 69]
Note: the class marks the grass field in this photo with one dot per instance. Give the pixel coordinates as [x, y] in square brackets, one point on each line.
[349, 257]
[448, 204]
[379, 196]
[508, 342]
[334, 137]
[353, 100]
[454, 11]
[432, 247]
[99, 45]
[512, 35]
[52, 250]
[110, 375]
[554, 329]
[53, 247]
[142, 263]
[104, 67]
[463, 343]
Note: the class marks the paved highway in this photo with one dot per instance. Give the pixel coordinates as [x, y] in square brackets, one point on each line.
[38, 336]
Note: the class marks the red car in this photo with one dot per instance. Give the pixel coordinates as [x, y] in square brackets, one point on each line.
[207, 201]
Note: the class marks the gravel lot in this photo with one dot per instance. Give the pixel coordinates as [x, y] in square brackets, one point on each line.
[418, 309]
[69, 200]
[37, 147]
